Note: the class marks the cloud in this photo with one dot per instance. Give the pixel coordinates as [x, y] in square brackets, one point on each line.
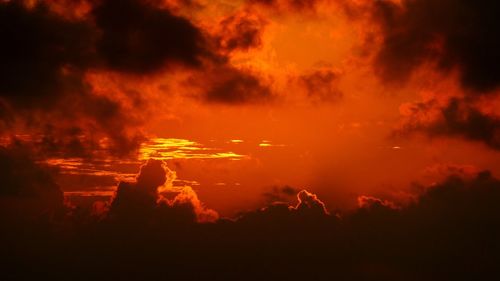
[27, 190]
[370, 202]
[43, 85]
[309, 202]
[454, 118]
[308, 212]
[448, 232]
[146, 200]
[42, 55]
[455, 35]
[240, 31]
[280, 194]
[425, 44]
[229, 85]
[140, 38]
[321, 85]
[57, 61]
[283, 5]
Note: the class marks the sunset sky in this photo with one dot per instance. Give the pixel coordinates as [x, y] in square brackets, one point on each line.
[246, 103]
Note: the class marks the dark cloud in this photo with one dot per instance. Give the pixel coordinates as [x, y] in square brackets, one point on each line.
[295, 5]
[22, 177]
[135, 202]
[234, 86]
[43, 87]
[138, 37]
[321, 85]
[456, 118]
[27, 189]
[240, 31]
[449, 232]
[131, 36]
[49, 49]
[280, 194]
[370, 202]
[42, 54]
[454, 34]
[309, 202]
[146, 200]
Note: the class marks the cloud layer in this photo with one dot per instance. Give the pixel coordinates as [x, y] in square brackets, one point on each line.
[448, 232]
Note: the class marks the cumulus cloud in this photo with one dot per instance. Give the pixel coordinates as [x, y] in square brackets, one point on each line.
[448, 232]
[144, 200]
[309, 202]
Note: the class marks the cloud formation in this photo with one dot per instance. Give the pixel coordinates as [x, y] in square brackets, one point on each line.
[448, 232]
[455, 118]
[455, 35]
[42, 54]
[55, 58]
[321, 85]
[240, 31]
[28, 192]
[137, 37]
[146, 200]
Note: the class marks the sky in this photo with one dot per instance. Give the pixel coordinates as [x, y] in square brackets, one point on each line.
[228, 115]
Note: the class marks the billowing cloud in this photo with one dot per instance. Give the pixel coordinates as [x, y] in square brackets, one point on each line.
[455, 220]
[83, 78]
[370, 202]
[454, 118]
[42, 54]
[279, 194]
[321, 85]
[233, 86]
[454, 35]
[420, 41]
[137, 37]
[309, 202]
[54, 59]
[240, 31]
[146, 199]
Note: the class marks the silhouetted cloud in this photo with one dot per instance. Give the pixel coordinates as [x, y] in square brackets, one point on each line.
[28, 192]
[449, 232]
[42, 54]
[279, 194]
[293, 5]
[140, 38]
[456, 118]
[309, 202]
[453, 34]
[142, 202]
[48, 52]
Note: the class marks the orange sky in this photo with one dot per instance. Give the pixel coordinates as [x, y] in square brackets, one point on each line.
[249, 139]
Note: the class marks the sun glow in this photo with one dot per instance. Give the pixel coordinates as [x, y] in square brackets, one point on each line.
[171, 148]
